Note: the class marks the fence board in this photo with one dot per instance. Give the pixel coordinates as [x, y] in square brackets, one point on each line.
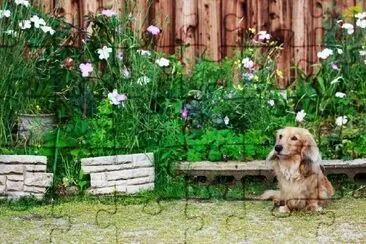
[186, 28]
[216, 27]
[209, 18]
[165, 19]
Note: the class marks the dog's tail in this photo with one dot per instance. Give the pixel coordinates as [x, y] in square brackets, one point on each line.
[270, 194]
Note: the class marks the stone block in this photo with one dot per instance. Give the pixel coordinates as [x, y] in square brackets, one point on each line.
[38, 179]
[143, 157]
[141, 164]
[35, 189]
[14, 185]
[139, 181]
[107, 190]
[106, 160]
[137, 188]
[15, 177]
[35, 167]
[2, 183]
[108, 167]
[11, 168]
[103, 182]
[15, 195]
[23, 159]
[122, 175]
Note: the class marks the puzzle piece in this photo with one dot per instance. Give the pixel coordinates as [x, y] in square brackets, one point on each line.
[65, 221]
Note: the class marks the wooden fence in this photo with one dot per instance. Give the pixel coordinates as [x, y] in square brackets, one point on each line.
[217, 27]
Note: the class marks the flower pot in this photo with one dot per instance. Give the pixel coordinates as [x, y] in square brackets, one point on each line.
[32, 127]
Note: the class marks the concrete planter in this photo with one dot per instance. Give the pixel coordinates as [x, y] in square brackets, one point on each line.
[32, 127]
[23, 176]
[129, 174]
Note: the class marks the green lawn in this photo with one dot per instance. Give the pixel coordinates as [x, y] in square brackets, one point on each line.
[177, 221]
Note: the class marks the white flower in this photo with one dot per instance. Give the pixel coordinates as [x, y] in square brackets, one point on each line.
[104, 52]
[336, 80]
[25, 24]
[162, 62]
[325, 53]
[226, 120]
[362, 53]
[263, 35]
[25, 3]
[361, 15]
[300, 116]
[49, 29]
[349, 27]
[248, 76]
[271, 103]
[248, 63]
[115, 98]
[37, 21]
[5, 13]
[341, 120]
[11, 33]
[340, 94]
[126, 73]
[361, 23]
[339, 51]
[144, 52]
[143, 80]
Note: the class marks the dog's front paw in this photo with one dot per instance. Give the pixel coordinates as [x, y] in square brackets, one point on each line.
[284, 209]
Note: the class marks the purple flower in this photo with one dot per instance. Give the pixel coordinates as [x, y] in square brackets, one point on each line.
[184, 112]
[335, 67]
[86, 69]
[153, 30]
[115, 98]
[109, 12]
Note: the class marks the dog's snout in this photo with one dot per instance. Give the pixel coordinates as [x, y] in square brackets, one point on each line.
[278, 148]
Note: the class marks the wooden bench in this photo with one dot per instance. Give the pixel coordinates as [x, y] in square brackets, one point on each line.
[239, 170]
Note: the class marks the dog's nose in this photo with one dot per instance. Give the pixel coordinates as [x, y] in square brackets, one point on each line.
[278, 148]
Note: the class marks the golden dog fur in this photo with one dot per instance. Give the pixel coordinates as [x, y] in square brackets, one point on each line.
[296, 162]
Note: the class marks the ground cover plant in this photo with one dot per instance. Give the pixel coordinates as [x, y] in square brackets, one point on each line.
[114, 93]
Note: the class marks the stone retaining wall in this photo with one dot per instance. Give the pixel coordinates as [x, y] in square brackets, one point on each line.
[23, 175]
[121, 173]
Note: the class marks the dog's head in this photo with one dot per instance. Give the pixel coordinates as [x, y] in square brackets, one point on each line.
[292, 142]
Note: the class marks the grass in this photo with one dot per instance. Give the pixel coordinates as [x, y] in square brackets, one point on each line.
[180, 220]
[206, 215]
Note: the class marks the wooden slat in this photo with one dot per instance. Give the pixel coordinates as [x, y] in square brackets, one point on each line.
[209, 28]
[232, 26]
[299, 9]
[280, 28]
[164, 19]
[186, 26]
[141, 13]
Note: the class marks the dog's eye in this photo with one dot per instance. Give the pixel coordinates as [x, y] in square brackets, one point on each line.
[294, 138]
[280, 136]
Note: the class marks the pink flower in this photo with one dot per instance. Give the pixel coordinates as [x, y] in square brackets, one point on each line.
[109, 12]
[184, 112]
[335, 67]
[86, 69]
[153, 30]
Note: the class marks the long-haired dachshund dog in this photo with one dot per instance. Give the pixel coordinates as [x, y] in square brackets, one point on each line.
[296, 162]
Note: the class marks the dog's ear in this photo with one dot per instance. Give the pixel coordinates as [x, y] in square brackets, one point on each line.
[310, 150]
